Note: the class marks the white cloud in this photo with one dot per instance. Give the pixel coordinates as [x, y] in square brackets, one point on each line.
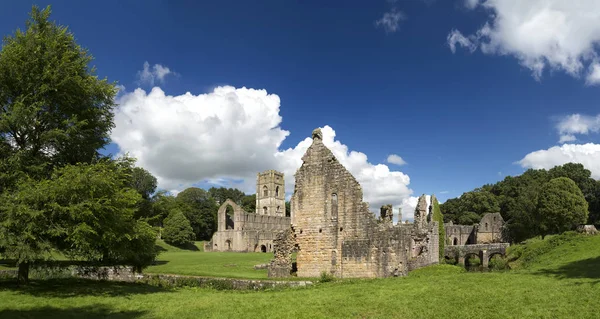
[455, 37]
[391, 20]
[150, 76]
[444, 192]
[586, 154]
[471, 4]
[395, 159]
[573, 124]
[228, 135]
[541, 34]
[593, 76]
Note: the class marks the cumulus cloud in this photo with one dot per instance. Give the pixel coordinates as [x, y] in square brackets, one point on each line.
[395, 159]
[151, 75]
[226, 136]
[586, 154]
[390, 20]
[573, 124]
[540, 34]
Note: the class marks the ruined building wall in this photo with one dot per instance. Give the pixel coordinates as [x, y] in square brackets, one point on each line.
[458, 235]
[252, 232]
[490, 229]
[336, 232]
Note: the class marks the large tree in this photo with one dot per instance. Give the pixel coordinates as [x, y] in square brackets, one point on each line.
[53, 108]
[561, 206]
[85, 211]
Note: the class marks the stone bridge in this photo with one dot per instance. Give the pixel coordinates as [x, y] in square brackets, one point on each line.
[484, 251]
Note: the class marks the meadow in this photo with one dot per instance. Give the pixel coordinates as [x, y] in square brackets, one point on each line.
[554, 278]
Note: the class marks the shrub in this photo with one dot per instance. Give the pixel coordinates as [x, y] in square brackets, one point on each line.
[178, 230]
[326, 277]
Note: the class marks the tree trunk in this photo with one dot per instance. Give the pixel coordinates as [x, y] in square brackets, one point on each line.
[23, 276]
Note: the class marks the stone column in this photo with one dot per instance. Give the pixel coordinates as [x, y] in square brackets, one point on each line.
[461, 260]
[484, 255]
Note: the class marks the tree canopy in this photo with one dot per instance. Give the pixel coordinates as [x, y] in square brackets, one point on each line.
[561, 206]
[517, 199]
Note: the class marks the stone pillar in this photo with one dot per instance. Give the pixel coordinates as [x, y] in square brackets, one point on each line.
[484, 255]
[461, 260]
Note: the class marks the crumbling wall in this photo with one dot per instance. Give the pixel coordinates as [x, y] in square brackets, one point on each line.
[336, 233]
[490, 229]
[251, 233]
[284, 243]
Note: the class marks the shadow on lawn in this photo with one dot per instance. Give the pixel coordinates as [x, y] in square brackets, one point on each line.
[93, 311]
[581, 269]
[64, 288]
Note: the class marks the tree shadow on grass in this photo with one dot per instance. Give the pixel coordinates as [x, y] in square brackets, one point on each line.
[581, 269]
[93, 311]
[70, 287]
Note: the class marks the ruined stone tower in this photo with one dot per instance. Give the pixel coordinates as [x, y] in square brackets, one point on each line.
[270, 193]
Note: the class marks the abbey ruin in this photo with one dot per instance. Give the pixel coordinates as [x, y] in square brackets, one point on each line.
[333, 230]
[241, 231]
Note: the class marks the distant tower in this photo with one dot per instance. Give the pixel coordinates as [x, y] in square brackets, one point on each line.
[270, 193]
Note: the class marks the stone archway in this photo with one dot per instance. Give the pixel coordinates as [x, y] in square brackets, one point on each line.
[263, 248]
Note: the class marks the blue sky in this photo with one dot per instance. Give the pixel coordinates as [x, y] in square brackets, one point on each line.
[459, 118]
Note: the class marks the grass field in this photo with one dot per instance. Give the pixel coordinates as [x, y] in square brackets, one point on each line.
[563, 282]
[178, 261]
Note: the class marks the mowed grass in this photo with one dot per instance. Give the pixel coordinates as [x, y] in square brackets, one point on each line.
[173, 260]
[564, 282]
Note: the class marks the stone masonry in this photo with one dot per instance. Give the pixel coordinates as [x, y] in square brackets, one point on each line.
[336, 233]
[241, 231]
[489, 230]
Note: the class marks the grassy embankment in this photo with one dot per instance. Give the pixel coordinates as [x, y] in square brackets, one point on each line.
[555, 278]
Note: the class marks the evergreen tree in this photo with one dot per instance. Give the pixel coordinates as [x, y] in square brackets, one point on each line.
[177, 230]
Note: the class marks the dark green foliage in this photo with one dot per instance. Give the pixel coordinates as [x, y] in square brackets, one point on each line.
[143, 182]
[326, 277]
[561, 206]
[177, 230]
[53, 109]
[438, 217]
[85, 211]
[249, 203]
[517, 198]
[221, 194]
[471, 206]
[200, 209]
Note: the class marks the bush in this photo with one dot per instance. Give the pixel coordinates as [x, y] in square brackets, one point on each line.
[326, 277]
[498, 263]
[178, 231]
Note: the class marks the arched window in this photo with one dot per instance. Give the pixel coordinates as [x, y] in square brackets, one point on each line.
[265, 191]
[486, 226]
[277, 191]
[278, 209]
[455, 241]
[265, 210]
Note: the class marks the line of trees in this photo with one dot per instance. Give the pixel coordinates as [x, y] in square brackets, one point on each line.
[537, 203]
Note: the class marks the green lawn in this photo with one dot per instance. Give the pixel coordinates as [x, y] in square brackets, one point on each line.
[562, 283]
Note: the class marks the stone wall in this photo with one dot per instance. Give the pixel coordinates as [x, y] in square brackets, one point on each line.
[248, 232]
[457, 235]
[489, 230]
[336, 233]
